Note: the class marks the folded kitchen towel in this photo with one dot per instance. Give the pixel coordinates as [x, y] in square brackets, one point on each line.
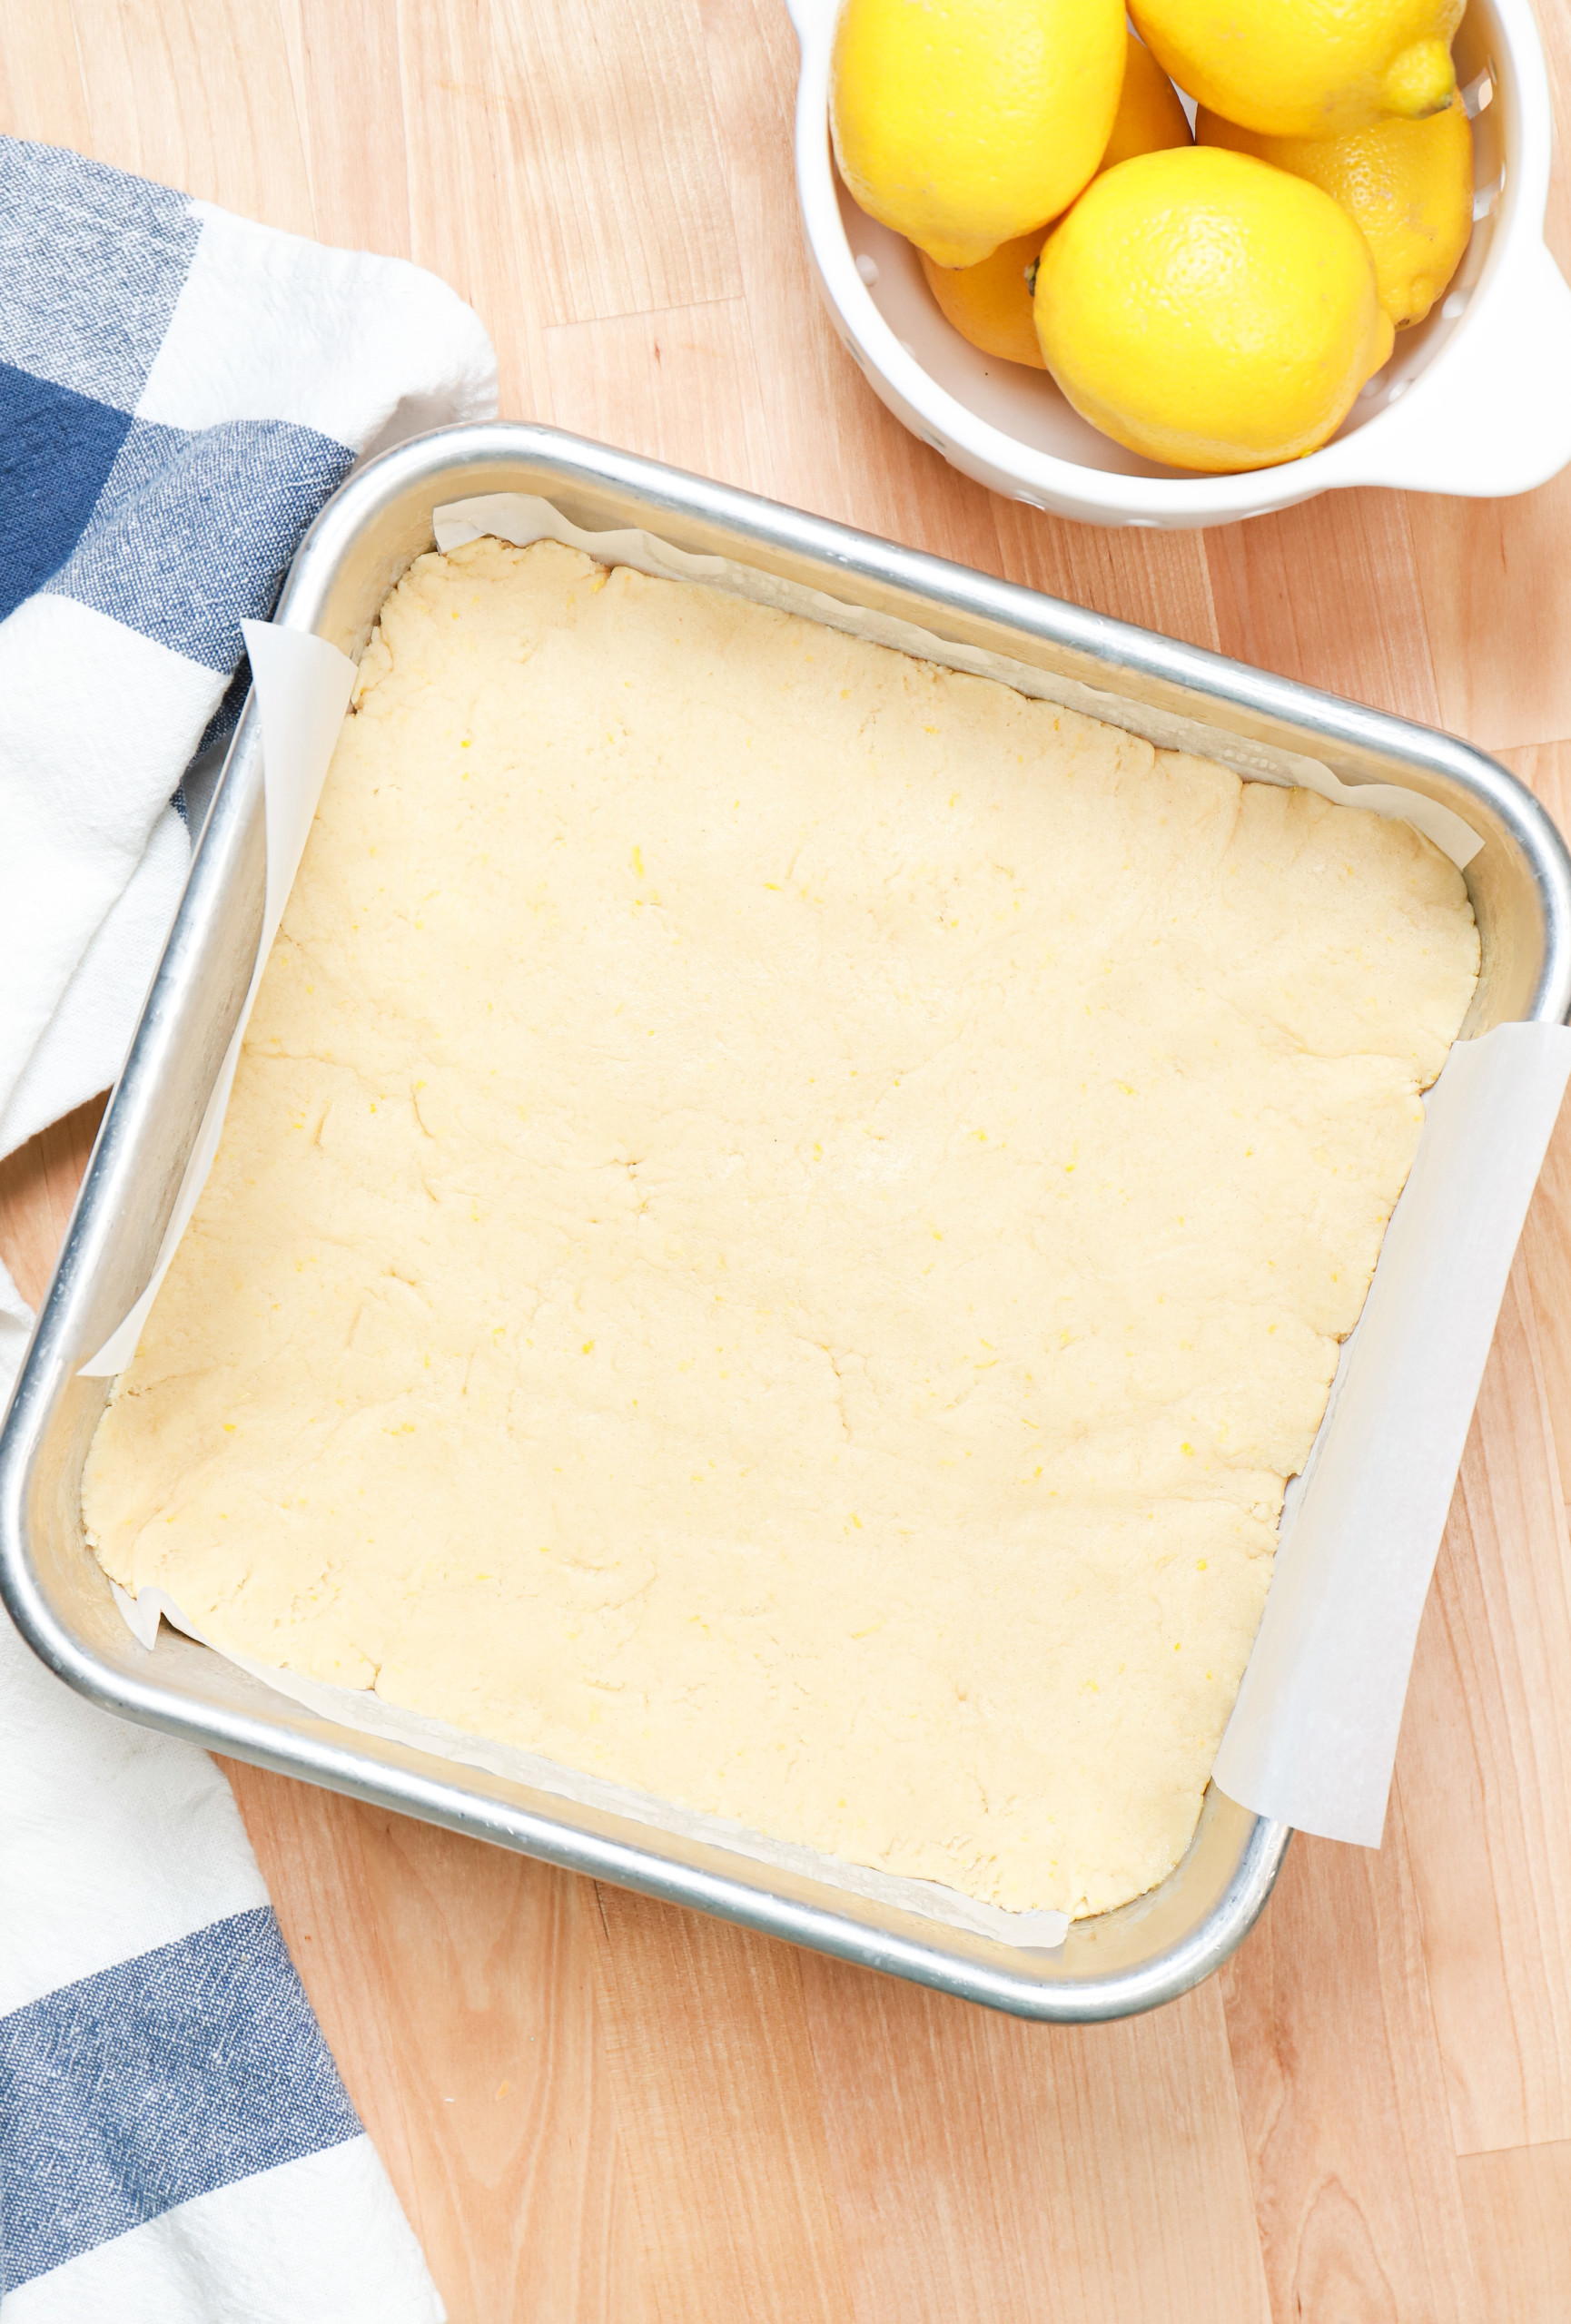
[176, 2146]
[180, 391]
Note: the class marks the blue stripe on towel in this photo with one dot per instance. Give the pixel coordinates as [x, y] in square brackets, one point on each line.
[194, 529]
[160, 2079]
[56, 450]
[88, 301]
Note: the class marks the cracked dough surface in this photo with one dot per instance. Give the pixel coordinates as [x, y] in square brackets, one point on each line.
[786, 1215]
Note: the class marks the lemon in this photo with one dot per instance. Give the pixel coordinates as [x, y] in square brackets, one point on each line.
[1149, 116]
[1296, 70]
[964, 123]
[1209, 310]
[1408, 184]
[990, 304]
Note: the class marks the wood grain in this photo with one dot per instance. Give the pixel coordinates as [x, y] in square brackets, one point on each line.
[1546, 1235]
[199, 93]
[614, 122]
[1545, 768]
[712, 2063]
[1342, 2096]
[470, 215]
[43, 93]
[38, 1184]
[1022, 2174]
[1484, 1789]
[455, 1984]
[699, 406]
[343, 63]
[1517, 2207]
[1328, 593]
[599, 2111]
[1161, 580]
[1497, 590]
[1492, 574]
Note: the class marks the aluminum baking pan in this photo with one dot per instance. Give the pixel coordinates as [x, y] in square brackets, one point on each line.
[1113, 1966]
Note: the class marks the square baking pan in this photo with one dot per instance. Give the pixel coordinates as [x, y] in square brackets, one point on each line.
[1110, 1965]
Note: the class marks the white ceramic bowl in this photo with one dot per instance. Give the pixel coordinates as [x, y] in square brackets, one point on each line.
[1476, 400]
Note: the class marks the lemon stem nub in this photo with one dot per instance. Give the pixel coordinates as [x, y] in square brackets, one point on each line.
[1421, 81]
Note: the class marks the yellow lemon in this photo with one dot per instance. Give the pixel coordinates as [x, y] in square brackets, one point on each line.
[990, 304]
[964, 123]
[1209, 310]
[1408, 184]
[1150, 117]
[1297, 70]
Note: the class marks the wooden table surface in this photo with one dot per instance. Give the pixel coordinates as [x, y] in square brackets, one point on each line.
[598, 2108]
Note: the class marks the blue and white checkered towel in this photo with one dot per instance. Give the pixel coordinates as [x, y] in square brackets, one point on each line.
[180, 391]
[176, 2145]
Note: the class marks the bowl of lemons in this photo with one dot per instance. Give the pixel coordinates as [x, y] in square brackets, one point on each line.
[1198, 262]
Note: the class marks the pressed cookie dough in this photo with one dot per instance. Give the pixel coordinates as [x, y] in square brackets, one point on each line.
[785, 1216]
